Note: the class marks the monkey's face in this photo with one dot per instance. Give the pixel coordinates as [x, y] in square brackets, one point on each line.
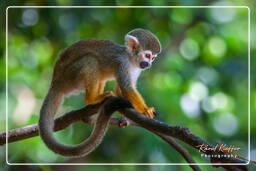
[140, 57]
[145, 59]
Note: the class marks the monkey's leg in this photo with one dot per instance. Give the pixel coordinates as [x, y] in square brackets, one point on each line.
[118, 91]
[124, 122]
[101, 93]
[138, 103]
[101, 87]
[92, 91]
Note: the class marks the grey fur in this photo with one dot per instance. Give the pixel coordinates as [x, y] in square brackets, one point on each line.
[80, 66]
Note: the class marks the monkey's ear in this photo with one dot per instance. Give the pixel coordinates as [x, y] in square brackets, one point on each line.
[132, 42]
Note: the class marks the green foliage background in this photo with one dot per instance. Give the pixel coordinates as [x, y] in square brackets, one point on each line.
[200, 80]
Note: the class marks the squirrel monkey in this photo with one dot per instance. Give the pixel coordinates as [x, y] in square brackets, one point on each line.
[87, 65]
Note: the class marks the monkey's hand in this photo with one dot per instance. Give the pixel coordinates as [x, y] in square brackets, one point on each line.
[150, 112]
[138, 103]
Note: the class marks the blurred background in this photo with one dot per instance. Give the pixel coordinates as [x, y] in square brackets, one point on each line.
[200, 80]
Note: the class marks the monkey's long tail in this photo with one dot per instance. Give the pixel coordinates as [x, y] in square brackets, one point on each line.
[46, 125]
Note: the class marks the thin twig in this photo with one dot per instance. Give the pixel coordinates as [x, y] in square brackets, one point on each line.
[181, 150]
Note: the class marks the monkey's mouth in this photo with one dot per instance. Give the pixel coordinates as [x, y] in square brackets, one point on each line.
[144, 65]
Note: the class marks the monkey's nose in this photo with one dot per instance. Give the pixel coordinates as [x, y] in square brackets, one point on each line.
[144, 64]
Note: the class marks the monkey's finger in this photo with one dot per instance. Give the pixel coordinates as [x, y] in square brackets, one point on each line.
[150, 112]
[157, 114]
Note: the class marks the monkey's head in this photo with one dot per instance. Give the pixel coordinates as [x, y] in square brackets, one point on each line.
[143, 47]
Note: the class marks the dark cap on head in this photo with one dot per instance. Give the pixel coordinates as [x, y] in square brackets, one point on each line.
[147, 40]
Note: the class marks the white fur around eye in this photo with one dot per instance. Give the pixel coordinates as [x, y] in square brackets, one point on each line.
[143, 53]
[147, 51]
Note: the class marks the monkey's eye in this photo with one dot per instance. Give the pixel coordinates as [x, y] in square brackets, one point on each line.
[147, 55]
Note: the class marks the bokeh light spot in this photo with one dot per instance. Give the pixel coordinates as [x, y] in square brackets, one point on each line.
[181, 16]
[29, 17]
[217, 47]
[190, 106]
[207, 75]
[207, 105]
[26, 104]
[253, 154]
[198, 91]
[67, 22]
[217, 101]
[225, 124]
[223, 15]
[189, 49]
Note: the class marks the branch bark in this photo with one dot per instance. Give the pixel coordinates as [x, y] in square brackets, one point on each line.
[163, 130]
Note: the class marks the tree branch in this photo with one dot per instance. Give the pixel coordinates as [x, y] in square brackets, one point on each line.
[161, 129]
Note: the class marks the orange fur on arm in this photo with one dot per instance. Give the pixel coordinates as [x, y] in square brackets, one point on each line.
[136, 99]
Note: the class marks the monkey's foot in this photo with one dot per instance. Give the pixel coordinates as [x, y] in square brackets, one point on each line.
[150, 112]
[104, 95]
[108, 93]
[99, 98]
[123, 122]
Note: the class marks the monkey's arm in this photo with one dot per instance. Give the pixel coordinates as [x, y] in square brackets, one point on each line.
[127, 89]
